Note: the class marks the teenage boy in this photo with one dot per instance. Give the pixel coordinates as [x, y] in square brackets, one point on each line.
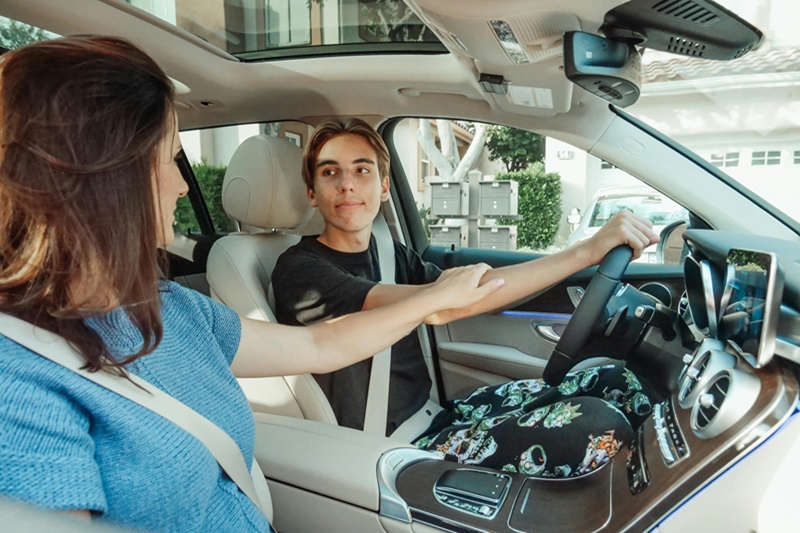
[522, 426]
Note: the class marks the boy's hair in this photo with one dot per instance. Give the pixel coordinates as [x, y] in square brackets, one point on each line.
[333, 128]
[82, 121]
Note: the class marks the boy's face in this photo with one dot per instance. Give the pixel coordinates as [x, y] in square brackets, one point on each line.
[348, 188]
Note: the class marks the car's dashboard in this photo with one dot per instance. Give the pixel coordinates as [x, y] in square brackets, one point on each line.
[729, 396]
[709, 275]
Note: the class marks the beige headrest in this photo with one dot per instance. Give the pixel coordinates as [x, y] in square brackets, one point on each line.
[263, 186]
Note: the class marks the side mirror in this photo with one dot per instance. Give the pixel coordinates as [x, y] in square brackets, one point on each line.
[606, 68]
[672, 249]
[574, 220]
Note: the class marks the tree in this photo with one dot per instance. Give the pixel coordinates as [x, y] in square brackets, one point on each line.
[539, 206]
[516, 148]
[446, 158]
[14, 34]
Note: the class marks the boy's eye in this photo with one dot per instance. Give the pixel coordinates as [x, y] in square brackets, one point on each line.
[363, 170]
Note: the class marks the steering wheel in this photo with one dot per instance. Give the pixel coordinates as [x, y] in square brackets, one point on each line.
[579, 328]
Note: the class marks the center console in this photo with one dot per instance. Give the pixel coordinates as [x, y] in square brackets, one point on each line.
[723, 407]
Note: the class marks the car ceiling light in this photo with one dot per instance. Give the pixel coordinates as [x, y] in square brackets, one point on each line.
[509, 41]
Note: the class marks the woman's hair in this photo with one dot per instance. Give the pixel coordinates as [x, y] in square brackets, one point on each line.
[81, 120]
[333, 128]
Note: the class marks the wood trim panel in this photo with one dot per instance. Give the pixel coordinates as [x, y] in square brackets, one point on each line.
[578, 504]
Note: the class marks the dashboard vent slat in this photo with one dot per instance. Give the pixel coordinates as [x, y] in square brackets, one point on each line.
[717, 393]
[700, 369]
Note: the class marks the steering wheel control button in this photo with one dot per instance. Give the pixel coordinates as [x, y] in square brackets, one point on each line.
[644, 312]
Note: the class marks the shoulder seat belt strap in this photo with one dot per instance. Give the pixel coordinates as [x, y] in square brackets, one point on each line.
[378, 391]
[219, 443]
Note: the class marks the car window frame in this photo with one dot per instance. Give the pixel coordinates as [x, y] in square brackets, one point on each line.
[413, 230]
[195, 196]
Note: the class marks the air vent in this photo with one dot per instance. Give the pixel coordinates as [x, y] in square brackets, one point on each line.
[685, 47]
[686, 10]
[723, 401]
[705, 366]
[710, 403]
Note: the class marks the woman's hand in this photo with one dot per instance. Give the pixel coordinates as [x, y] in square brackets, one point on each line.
[623, 228]
[461, 286]
[268, 349]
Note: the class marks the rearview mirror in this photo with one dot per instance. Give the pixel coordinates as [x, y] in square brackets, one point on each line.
[609, 69]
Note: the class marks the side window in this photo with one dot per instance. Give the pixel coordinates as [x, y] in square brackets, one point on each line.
[500, 188]
[209, 152]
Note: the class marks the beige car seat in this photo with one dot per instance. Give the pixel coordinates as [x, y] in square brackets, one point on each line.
[263, 191]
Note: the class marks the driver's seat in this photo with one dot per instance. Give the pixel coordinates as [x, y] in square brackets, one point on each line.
[263, 191]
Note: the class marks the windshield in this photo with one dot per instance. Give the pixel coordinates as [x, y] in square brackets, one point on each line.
[656, 208]
[742, 116]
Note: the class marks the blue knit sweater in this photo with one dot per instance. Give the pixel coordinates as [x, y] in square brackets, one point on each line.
[67, 443]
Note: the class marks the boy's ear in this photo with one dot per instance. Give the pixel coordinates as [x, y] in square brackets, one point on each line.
[312, 198]
[384, 188]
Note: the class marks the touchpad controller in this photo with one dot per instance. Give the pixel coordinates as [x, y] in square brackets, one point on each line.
[472, 491]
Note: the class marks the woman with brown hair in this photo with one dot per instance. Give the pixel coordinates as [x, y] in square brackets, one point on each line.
[88, 185]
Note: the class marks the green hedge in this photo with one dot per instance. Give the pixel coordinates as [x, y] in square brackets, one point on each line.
[209, 178]
[539, 206]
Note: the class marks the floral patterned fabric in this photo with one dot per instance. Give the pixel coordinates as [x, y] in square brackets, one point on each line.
[530, 427]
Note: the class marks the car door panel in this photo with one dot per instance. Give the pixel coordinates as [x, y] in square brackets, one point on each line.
[516, 344]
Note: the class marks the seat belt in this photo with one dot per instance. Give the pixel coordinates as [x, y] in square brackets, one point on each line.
[378, 390]
[219, 443]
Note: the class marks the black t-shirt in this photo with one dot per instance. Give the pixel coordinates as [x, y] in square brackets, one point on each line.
[312, 282]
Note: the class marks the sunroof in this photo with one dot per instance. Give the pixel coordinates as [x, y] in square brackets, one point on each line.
[14, 34]
[269, 29]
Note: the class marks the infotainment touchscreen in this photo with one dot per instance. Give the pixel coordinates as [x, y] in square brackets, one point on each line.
[751, 303]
